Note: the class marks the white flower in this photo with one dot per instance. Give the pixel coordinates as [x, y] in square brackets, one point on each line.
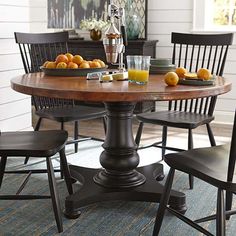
[89, 24]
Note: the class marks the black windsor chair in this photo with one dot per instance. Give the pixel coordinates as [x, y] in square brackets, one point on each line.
[191, 51]
[37, 48]
[38, 144]
[214, 165]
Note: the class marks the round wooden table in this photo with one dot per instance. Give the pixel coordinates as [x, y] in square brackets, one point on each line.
[120, 178]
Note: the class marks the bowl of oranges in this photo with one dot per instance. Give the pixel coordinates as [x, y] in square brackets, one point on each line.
[72, 65]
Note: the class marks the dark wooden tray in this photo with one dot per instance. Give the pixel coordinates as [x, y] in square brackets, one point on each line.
[71, 72]
[197, 82]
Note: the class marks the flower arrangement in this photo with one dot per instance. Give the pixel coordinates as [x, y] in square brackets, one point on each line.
[93, 24]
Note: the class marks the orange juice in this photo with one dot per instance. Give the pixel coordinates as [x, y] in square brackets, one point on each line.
[138, 68]
[138, 76]
[141, 76]
[131, 74]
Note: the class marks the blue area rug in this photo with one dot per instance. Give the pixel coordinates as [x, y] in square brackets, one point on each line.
[113, 218]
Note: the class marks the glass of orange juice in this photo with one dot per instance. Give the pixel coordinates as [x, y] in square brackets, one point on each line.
[138, 68]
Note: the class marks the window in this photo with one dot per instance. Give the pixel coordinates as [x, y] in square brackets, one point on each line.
[214, 15]
[224, 12]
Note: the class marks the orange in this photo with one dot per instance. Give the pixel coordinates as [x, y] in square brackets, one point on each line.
[77, 59]
[45, 63]
[190, 75]
[204, 74]
[51, 65]
[69, 56]
[61, 65]
[102, 64]
[84, 65]
[95, 64]
[61, 58]
[180, 71]
[72, 65]
[171, 78]
[89, 62]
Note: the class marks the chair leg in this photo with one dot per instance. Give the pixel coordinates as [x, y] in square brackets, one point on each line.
[26, 160]
[163, 203]
[220, 214]
[54, 195]
[191, 181]
[228, 205]
[66, 171]
[62, 125]
[2, 168]
[164, 140]
[61, 170]
[211, 136]
[139, 133]
[190, 146]
[190, 139]
[76, 134]
[38, 124]
[62, 128]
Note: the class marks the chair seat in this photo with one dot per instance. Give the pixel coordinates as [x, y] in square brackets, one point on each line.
[209, 164]
[32, 143]
[179, 119]
[69, 113]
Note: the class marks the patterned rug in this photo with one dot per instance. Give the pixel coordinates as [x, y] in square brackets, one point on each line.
[113, 218]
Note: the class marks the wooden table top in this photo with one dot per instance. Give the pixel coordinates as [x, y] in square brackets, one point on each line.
[79, 88]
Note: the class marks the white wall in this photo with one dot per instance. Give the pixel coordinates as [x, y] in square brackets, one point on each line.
[15, 109]
[31, 16]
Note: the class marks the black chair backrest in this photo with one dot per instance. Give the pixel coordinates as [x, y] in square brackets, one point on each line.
[35, 49]
[232, 155]
[195, 51]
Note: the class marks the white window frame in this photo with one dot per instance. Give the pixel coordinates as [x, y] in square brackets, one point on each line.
[202, 20]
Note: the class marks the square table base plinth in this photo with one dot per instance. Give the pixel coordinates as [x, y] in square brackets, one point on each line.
[91, 192]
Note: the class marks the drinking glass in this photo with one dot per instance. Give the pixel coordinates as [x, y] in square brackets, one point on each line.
[138, 68]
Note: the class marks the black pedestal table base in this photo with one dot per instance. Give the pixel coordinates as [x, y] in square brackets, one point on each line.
[90, 192]
[120, 179]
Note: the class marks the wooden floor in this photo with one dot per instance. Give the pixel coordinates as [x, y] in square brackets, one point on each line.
[94, 128]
